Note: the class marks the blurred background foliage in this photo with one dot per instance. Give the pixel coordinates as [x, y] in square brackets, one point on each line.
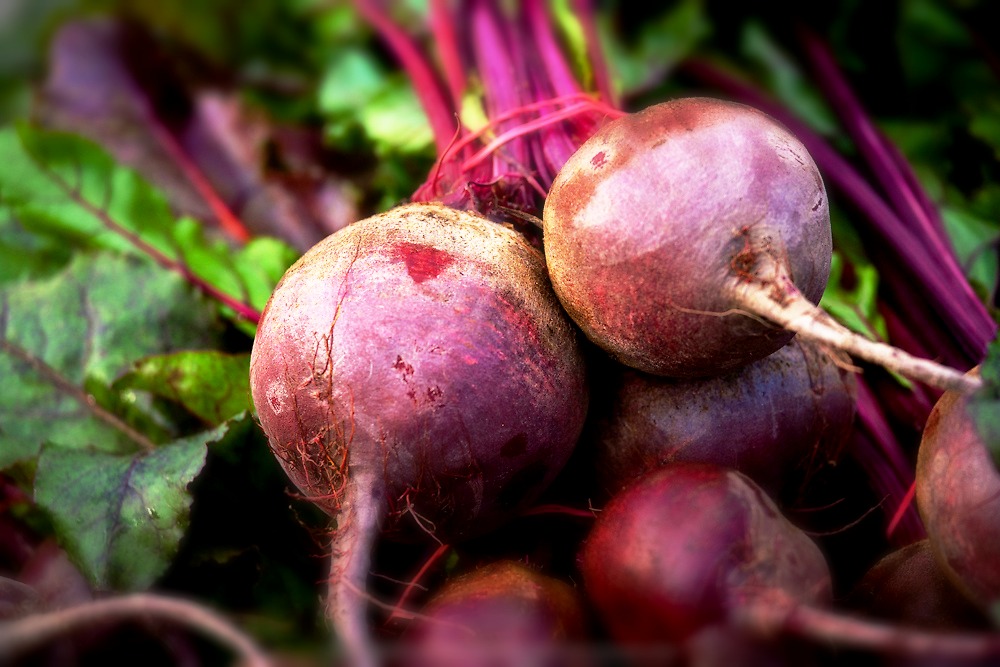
[927, 71]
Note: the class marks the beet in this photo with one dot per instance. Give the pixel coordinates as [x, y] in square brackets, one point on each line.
[776, 420]
[909, 585]
[504, 613]
[687, 547]
[679, 236]
[694, 547]
[958, 495]
[414, 374]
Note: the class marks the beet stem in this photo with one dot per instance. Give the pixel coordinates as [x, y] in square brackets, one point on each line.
[791, 310]
[358, 526]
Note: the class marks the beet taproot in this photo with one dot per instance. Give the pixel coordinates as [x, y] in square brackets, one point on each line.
[415, 374]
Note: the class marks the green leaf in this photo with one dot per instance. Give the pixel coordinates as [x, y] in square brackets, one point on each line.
[358, 93]
[352, 79]
[121, 517]
[212, 385]
[985, 124]
[395, 121]
[248, 274]
[974, 241]
[66, 338]
[984, 405]
[575, 39]
[929, 33]
[665, 40]
[855, 307]
[63, 188]
[785, 78]
[26, 255]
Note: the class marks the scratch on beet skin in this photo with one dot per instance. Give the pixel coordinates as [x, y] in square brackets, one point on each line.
[422, 262]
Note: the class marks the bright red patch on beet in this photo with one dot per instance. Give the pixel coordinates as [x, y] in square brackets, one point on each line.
[599, 160]
[422, 262]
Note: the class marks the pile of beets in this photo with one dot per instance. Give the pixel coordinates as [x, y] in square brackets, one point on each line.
[624, 305]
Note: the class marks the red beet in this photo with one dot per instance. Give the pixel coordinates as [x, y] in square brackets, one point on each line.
[689, 546]
[676, 236]
[414, 373]
[909, 585]
[501, 614]
[775, 420]
[958, 495]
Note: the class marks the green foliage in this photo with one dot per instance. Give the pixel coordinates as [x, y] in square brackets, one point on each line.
[121, 517]
[26, 255]
[644, 60]
[65, 339]
[856, 307]
[359, 97]
[69, 193]
[975, 241]
[212, 385]
[786, 78]
[111, 468]
[984, 406]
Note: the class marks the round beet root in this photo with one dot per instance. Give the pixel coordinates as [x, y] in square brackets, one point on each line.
[414, 373]
[690, 546]
[958, 495]
[909, 585]
[501, 614]
[652, 217]
[693, 237]
[775, 420]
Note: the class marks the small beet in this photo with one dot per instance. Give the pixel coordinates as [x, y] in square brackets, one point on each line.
[504, 615]
[415, 374]
[958, 495]
[775, 420]
[909, 585]
[690, 546]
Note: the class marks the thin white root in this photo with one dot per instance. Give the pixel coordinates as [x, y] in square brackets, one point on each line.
[784, 305]
[25, 634]
[838, 629]
[358, 525]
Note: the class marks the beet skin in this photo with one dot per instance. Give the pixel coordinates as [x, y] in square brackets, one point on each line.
[656, 218]
[423, 347]
[777, 420]
[689, 546]
[958, 495]
[415, 374]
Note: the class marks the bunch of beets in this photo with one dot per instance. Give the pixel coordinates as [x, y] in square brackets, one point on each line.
[639, 288]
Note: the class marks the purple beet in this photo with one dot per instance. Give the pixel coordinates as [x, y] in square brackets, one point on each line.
[909, 585]
[958, 495]
[776, 420]
[415, 374]
[504, 615]
[690, 546]
[693, 237]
